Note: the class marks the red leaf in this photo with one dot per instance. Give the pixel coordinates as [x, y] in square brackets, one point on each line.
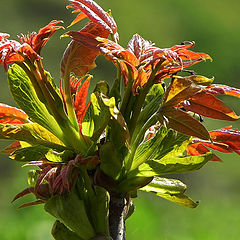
[183, 122]
[218, 89]
[80, 100]
[37, 202]
[11, 148]
[226, 140]
[197, 149]
[38, 40]
[209, 106]
[95, 13]
[79, 17]
[80, 55]
[12, 115]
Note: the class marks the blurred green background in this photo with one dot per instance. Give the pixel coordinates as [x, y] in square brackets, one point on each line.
[215, 27]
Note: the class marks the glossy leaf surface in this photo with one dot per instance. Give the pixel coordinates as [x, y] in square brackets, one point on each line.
[182, 122]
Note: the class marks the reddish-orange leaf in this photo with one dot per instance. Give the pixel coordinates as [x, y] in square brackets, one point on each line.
[79, 17]
[79, 57]
[226, 140]
[197, 149]
[141, 80]
[80, 100]
[183, 122]
[217, 89]
[12, 115]
[228, 136]
[109, 47]
[81, 53]
[29, 204]
[209, 106]
[11, 148]
[95, 13]
[179, 90]
[44, 34]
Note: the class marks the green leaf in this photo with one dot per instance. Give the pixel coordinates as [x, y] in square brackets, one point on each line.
[25, 96]
[99, 210]
[32, 177]
[102, 110]
[173, 145]
[96, 117]
[111, 163]
[29, 154]
[31, 133]
[61, 232]
[151, 105]
[133, 183]
[64, 156]
[170, 189]
[166, 185]
[172, 165]
[148, 148]
[71, 211]
[102, 87]
[197, 79]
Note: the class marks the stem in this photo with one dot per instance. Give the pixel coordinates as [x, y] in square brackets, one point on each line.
[117, 213]
[141, 98]
[151, 121]
[68, 99]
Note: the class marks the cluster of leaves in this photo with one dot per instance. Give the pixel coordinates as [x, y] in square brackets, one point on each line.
[127, 138]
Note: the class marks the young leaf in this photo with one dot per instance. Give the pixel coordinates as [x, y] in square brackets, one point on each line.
[170, 189]
[80, 100]
[11, 148]
[182, 122]
[12, 115]
[151, 105]
[97, 117]
[179, 90]
[171, 165]
[209, 106]
[32, 133]
[218, 89]
[197, 149]
[25, 96]
[61, 232]
[66, 209]
[147, 149]
[226, 140]
[111, 168]
[29, 154]
[173, 145]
